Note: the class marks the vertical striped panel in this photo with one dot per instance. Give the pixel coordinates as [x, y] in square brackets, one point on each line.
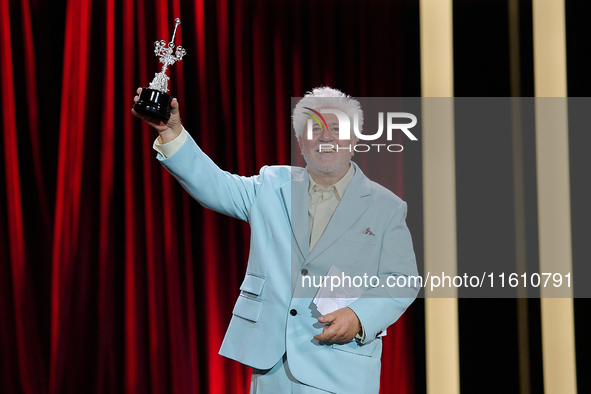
[441, 314]
[519, 195]
[554, 219]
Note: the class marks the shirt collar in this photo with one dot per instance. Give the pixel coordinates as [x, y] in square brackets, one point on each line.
[340, 186]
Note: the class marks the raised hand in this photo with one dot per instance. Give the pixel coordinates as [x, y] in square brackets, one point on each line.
[167, 130]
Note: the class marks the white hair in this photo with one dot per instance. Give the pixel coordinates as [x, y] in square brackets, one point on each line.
[325, 97]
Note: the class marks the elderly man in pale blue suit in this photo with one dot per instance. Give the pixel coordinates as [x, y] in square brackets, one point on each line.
[303, 222]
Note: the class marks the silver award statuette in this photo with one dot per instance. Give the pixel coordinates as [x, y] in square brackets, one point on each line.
[154, 101]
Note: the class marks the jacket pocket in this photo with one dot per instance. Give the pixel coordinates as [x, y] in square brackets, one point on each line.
[359, 237]
[353, 347]
[252, 284]
[247, 308]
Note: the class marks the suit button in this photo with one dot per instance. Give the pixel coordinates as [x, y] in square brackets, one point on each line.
[304, 272]
[293, 312]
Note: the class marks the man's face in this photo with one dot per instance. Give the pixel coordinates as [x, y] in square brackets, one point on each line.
[326, 161]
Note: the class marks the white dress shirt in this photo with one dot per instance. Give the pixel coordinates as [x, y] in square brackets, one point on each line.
[322, 203]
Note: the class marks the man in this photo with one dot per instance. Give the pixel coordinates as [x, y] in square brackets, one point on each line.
[304, 222]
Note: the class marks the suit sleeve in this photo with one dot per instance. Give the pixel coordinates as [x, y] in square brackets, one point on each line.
[382, 305]
[212, 187]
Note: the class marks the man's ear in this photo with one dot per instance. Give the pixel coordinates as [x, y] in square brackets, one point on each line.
[300, 142]
[353, 145]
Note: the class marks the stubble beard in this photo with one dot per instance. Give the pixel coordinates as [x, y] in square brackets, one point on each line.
[327, 169]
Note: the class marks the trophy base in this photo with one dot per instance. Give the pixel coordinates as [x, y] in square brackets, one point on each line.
[154, 103]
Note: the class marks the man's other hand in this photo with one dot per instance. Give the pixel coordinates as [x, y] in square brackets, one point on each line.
[167, 130]
[342, 326]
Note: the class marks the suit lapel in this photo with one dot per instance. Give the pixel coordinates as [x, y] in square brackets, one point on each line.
[295, 198]
[351, 207]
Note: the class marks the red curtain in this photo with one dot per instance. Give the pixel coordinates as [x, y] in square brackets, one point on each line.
[111, 279]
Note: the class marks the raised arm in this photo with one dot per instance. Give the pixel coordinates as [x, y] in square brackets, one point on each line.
[213, 188]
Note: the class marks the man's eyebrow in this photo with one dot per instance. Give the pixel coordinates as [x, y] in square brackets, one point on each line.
[333, 122]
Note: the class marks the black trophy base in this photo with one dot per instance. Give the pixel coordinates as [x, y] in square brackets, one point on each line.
[154, 104]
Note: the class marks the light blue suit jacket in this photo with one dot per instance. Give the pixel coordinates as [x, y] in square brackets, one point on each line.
[274, 313]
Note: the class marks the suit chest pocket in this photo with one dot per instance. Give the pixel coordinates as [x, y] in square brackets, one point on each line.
[360, 238]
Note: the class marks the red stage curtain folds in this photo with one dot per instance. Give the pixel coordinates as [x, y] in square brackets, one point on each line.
[111, 279]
